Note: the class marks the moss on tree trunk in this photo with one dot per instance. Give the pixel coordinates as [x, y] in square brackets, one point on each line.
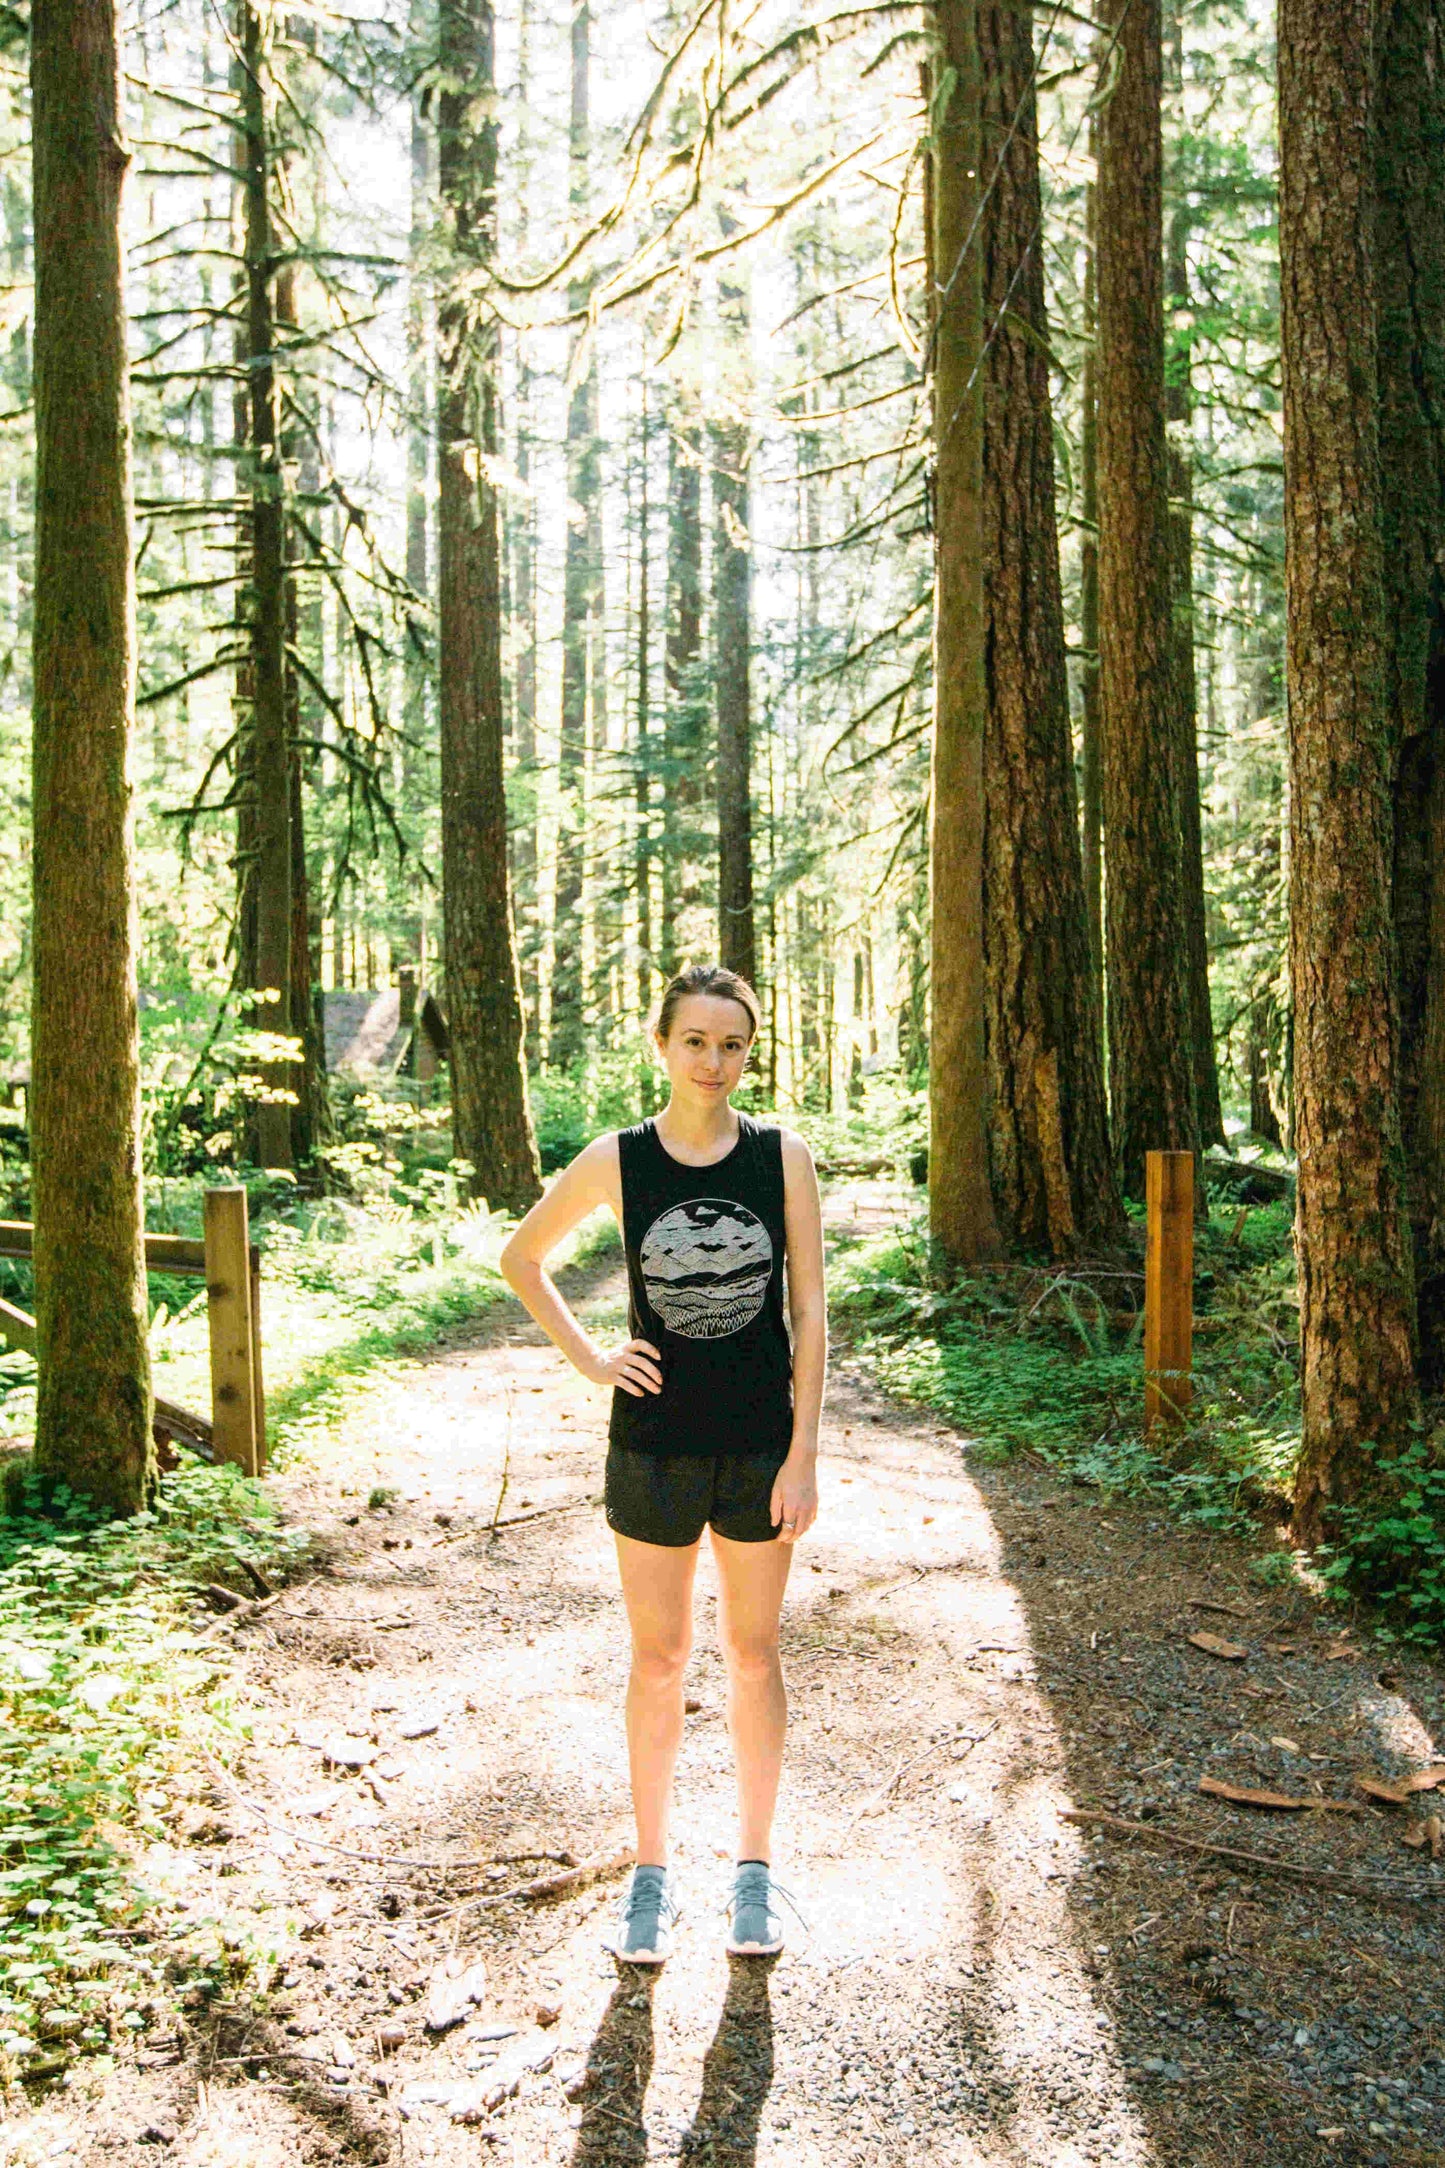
[1356, 1296]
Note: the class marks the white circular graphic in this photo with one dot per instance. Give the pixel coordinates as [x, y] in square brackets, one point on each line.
[706, 1267]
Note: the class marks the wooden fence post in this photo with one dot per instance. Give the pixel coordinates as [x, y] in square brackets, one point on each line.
[235, 1381]
[1168, 1286]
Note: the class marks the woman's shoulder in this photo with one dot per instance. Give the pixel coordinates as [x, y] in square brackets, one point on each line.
[791, 1143]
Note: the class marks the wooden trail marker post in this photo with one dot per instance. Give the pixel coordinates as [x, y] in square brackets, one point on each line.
[1168, 1286]
[231, 1303]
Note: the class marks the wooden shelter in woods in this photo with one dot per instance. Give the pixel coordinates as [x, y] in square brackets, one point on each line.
[380, 1036]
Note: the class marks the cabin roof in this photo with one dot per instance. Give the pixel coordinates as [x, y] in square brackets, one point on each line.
[364, 1031]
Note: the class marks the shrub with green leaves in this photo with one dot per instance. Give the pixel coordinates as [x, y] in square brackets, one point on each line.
[106, 1695]
[1393, 1549]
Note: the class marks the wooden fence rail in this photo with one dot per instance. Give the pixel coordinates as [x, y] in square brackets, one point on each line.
[230, 1264]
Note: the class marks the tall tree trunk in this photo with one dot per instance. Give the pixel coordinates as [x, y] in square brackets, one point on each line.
[1151, 1036]
[93, 1418]
[491, 1120]
[268, 729]
[1178, 408]
[682, 750]
[581, 615]
[525, 857]
[1411, 272]
[642, 727]
[1053, 1177]
[1092, 748]
[1356, 1296]
[960, 1204]
[418, 779]
[732, 651]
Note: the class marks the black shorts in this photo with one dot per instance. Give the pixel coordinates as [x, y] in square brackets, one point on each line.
[670, 1498]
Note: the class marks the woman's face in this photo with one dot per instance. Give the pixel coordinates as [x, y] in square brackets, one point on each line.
[707, 1048]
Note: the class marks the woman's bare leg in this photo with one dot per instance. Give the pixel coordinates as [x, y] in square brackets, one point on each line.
[657, 1589]
[751, 1580]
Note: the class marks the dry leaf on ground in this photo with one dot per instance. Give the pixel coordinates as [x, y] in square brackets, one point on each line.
[1426, 1780]
[1390, 1795]
[1248, 1795]
[1232, 1651]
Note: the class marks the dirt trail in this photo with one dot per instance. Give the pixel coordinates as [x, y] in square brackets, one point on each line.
[970, 1652]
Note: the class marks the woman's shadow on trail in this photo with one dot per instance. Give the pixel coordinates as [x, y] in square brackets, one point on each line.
[737, 2072]
[737, 2076]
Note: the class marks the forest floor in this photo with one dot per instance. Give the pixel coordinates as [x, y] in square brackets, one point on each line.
[972, 1650]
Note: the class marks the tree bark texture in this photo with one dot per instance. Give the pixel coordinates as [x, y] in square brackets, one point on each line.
[1151, 1039]
[581, 613]
[491, 1119]
[683, 748]
[268, 729]
[1178, 409]
[1356, 1297]
[961, 1211]
[1410, 267]
[1091, 761]
[1053, 1178]
[732, 647]
[93, 1418]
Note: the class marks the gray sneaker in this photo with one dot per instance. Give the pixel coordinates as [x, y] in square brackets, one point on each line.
[756, 1928]
[643, 1933]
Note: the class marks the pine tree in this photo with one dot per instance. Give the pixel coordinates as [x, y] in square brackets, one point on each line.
[1151, 1037]
[732, 654]
[1410, 266]
[1053, 1179]
[960, 1205]
[93, 1418]
[491, 1120]
[1356, 1303]
[267, 784]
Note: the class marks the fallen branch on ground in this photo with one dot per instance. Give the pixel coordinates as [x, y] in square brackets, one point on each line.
[1362, 1885]
[551, 1885]
[519, 1520]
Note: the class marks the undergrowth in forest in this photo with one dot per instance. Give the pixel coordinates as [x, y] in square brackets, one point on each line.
[110, 1695]
[1049, 1360]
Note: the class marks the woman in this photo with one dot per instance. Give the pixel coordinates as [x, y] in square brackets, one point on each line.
[714, 1415]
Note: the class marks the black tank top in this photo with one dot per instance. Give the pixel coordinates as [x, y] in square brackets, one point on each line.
[705, 1252]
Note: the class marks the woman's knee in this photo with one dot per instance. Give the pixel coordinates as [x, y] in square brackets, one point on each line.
[751, 1656]
[660, 1660]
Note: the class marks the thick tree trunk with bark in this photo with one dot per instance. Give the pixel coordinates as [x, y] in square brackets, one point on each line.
[491, 1120]
[1356, 1296]
[581, 613]
[642, 731]
[268, 727]
[1091, 761]
[1151, 1037]
[732, 649]
[1410, 267]
[1053, 1178]
[1178, 407]
[93, 1418]
[960, 1203]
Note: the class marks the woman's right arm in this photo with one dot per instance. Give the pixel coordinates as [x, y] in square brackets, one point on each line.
[593, 1178]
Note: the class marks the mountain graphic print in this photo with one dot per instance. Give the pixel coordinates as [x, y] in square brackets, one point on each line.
[706, 1267]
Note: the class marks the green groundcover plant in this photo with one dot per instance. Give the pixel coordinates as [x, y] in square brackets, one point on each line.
[110, 1691]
